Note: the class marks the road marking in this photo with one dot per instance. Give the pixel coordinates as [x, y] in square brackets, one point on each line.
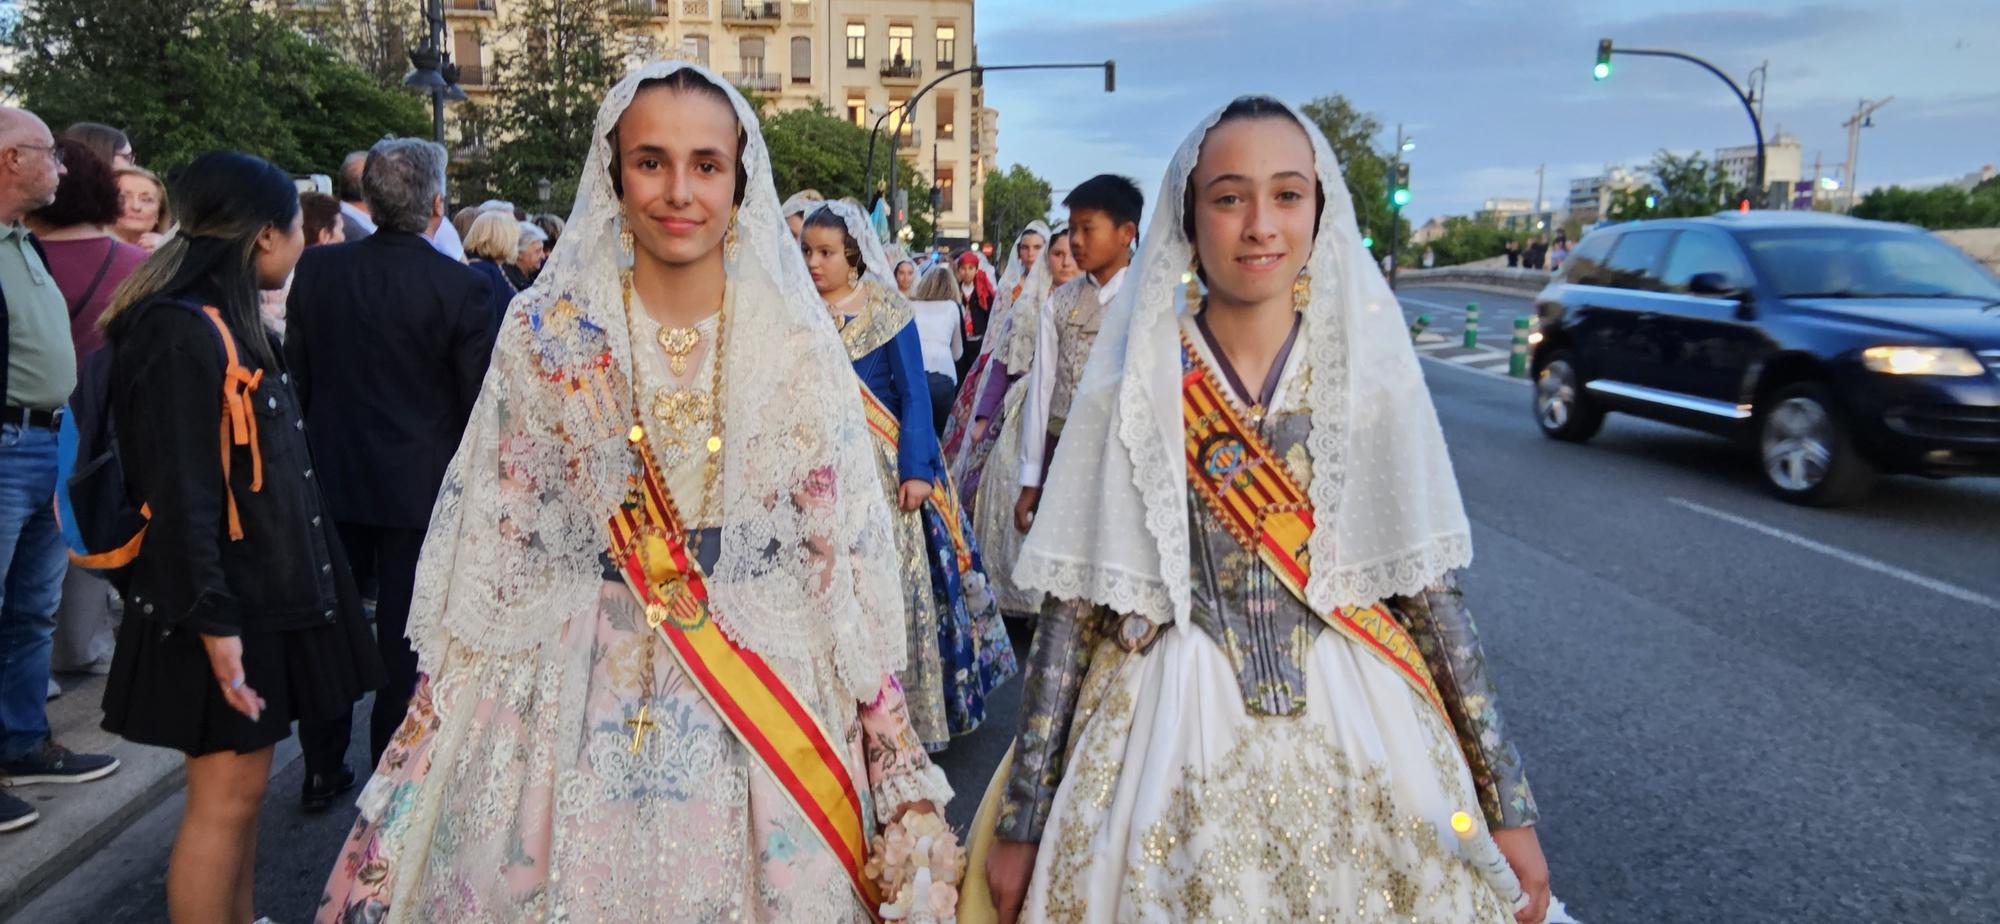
[1862, 561]
[1487, 371]
[1434, 306]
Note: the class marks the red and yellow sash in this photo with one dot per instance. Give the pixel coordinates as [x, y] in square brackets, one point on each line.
[755, 702]
[1255, 497]
[944, 494]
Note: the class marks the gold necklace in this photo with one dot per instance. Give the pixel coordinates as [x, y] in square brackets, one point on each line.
[655, 554]
[678, 342]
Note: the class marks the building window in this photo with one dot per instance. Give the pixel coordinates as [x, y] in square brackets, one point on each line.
[857, 110]
[465, 51]
[947, 117]
[695, 48]
[751, 49]
[802, 60]
[857, 45]
[944, 186]
[947, 47]
[902, 45]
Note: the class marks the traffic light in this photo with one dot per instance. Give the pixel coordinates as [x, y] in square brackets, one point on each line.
[1603, 68]
[1399, 194]
[1652, 202]
[1368, 241]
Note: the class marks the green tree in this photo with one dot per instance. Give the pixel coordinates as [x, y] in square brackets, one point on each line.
[186, 76]
[1352, 132]
[1466, 240]
[562, 57]
[1681, 186]
[1937, 208]
[1013, 198]
[373, 35]
[815, 149]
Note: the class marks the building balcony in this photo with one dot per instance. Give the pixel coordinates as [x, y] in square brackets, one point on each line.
[762, 82]
[752, 12]
[472, 75]
[641, 9]
[481, 8]
[897, 70]
[910, 141]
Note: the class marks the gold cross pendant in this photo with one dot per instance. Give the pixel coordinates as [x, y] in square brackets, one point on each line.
[640, 726]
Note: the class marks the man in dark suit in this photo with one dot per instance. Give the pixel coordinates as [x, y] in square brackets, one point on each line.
[387, 340]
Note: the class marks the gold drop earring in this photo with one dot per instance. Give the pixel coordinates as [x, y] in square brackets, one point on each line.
[1193, 280]
[729, 238]
[1302, 290]
[625, 237]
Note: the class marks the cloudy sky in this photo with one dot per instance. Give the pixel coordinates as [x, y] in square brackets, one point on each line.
[1492, 89]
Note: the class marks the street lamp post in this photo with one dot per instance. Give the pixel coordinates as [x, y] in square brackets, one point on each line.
[1396, 202]
[909, 110]
[1605, 50]
[432, 71]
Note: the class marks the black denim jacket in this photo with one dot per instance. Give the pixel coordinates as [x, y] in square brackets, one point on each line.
[287, 572]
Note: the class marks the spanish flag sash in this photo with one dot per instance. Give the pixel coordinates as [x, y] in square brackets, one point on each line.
[769, 720]
[1254, 496]
[944, 494]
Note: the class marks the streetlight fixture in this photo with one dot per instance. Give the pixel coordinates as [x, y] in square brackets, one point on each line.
[1603, 71]
[432, 71]
[909, 108]
[543, 187]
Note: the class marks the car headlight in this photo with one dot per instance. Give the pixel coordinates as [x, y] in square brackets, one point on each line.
[1912, 360]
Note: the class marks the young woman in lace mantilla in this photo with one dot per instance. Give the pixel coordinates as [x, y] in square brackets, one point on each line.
[652, 538]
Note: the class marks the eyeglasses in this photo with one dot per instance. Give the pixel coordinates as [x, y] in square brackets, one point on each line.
[55, 153]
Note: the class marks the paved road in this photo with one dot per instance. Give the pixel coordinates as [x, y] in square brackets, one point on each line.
[1732, 709]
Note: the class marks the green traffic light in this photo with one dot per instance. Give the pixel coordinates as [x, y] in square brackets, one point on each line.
[1601, 71]
[1400, 197]
[1603, 68]
[1368, 242]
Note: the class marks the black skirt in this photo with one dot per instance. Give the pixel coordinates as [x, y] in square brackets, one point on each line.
[161, 691]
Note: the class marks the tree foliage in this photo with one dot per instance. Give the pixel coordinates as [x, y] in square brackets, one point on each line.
[373, 35]
[1013, 198]
[1682, 186]
[558, 59]
[186, 76]
[815, 149]
[1466, 240]
[1352, 132]
[1937, 208]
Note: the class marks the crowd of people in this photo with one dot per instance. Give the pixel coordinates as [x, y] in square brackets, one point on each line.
[674, 538]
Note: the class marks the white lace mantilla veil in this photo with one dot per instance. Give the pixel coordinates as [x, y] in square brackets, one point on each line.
[514, 541]
[1113, 523]
[1034, 287]
[799, 204]
[875, 262]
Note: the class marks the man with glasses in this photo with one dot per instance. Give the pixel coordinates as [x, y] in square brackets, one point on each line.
[37, 373]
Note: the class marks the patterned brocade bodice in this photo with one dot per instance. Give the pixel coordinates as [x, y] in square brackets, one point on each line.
[1264, 629]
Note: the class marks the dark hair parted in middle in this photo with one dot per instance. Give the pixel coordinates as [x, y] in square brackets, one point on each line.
[1251, 107]
[824, 217]
[685, 80]
[1111, 194]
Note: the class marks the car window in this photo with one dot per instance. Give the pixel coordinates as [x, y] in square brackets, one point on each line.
[1635, 262]
[1703, 252]
[1585, 265]
[1862, 262]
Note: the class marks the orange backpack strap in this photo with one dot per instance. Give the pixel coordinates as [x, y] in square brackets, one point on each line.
[239, 418]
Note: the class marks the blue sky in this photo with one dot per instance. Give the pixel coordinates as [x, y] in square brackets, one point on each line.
[1490, 89]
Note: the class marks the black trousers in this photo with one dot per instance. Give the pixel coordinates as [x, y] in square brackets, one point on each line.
[943, 392]
[385, 558]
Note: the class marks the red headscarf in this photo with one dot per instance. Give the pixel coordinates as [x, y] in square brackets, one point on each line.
[982, 287]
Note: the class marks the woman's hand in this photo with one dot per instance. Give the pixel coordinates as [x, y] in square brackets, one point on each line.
[1523, 851]
[919, 807]
[913, 493]
[1009, 866]
[1024, 508]
[225, 660]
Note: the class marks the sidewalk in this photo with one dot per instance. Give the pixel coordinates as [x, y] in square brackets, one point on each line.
[78, 819]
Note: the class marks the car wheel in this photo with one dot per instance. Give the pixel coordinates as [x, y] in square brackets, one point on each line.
[1562, 410]
[1805, 451]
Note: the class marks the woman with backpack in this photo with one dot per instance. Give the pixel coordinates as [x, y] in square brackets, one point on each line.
[241, 616]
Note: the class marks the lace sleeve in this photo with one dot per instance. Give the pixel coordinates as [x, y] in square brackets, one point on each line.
[899, 770]
[1057, 661]
[1443, 629]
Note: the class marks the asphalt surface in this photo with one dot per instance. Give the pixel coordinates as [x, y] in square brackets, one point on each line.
[1731, 709]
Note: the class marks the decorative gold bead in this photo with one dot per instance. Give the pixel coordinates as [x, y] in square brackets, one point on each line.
[636, 435]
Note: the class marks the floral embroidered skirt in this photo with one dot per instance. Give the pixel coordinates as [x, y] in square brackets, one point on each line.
[999, 486]
[1178, 805]
[512, 793]
[974, 652]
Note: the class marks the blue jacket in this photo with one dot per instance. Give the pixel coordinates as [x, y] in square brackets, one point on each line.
[894, 371]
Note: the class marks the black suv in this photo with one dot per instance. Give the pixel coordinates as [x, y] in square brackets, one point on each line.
[1839, 348]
